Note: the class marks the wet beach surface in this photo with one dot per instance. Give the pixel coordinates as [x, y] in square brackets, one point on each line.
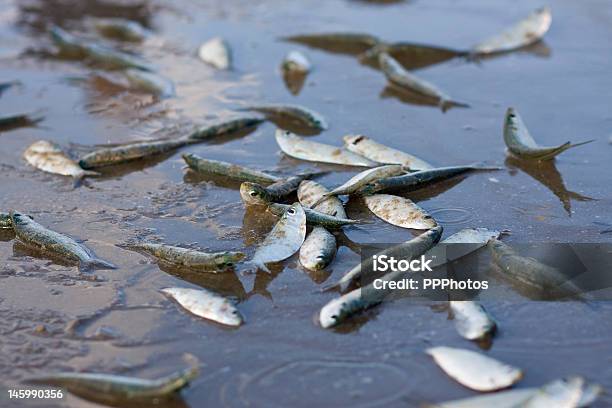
[52, 318]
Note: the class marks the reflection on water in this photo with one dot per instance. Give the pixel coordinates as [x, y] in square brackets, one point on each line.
[294, 81]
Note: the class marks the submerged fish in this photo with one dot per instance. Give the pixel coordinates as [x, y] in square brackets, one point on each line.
[30, 232]
[190, 258]
[295, 61]
[120, 29]
[380, 153]
[300, 148]
[232, 171]
[399, 211]
[318, 250]
[475, 370]
[49, 157]
[19, 120]
[114, 389]
[217, 53]
[150, 82]
[520, 143]
[472, 320]
[526, 32]
[225, 127]
[309, 192]
[298, 113]
[284, 240]
[397, 75]
[206, 304]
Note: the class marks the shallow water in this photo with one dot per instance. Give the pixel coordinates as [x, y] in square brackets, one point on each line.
[280, 357]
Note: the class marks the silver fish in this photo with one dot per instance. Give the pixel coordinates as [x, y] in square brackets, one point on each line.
[399, 211]
[315, 217]
[252, 193]
[472, 320]
[300, 148]
[380, 153]
[217, 53]
[225, 127]
[526, 32]
[150, 82]
[309, 192]
[399, 76]
[49, 157]
[318, 250]
[563, 393]
[232, 171]
[295, 61]
[120, 29]
[471, 239]
[30, 232]
[521, 144]
[306, 116]
[284, 240]
[206, 304]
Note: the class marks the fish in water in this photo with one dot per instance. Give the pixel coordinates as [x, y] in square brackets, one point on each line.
[399, 211]
[318, 249]
[108, 57]
[190, 258]
[19, 120]
[276, 191]
[300, 148]
[49, 157]
[397, 75]
[472, 320]
[232, 171]
[310, 192]
[521, 144]
[120, 29]
[225, 127]
[298, 113]
[471, 239]
[217, 53]
[150, 82]
[380, 153]
[206, 304]
[111, 389]
[296, 62]
[30, 232]
[526, 32]
[475, 370]
[284, 240]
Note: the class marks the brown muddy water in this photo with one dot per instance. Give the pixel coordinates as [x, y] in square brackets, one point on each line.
[54, 319]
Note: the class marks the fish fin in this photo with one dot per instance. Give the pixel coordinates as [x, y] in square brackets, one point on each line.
[94, 264]
[258, 266]
[446, 104]
[565, 146]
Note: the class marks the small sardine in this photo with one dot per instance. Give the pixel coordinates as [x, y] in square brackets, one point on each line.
[397, 75]
[475, 370]
[49, 157]
[150, 82]
[472, 320]
[521, 144]
[206, 304]
[526, 32]
[309, 192]
[471, 239]
[20, 120]
[341, 308]
[318, 250]
[120, 29]
[380, 153]
[298, 113]
[399, 211]
[295, 61]
[315, 217]
[232, 171]
[282, 188]
[225, 127]
[217, 53]
[217, 261]
[284, 240]
[30, 232]
[300, 148]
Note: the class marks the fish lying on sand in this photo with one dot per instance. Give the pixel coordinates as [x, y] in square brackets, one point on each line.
[380, 153]
[232, 171]
[190, 258]
[206, 304]
[49, 157]
[217, 53]
[521, 144]
[399, 211]
[150, 82]
[226, 126]
[120, 29]
[301, 114]
[19, 120]
[30, 232]
[309, 192]
[111, 389]
[297, 62]
[472, 320]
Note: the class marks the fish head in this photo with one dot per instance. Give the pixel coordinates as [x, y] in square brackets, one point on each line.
[227, 260]
[427, 222]
[332, 313]
[19, 219]
[230, 316]
[254, 194]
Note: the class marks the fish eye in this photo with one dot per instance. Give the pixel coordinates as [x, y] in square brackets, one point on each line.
[358, 139]
[253, 193]
[291, 211]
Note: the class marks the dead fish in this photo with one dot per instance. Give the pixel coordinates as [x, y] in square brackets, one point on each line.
[380, 153]
[301, 114]
[50, 158]
[19, 120]
[472, 320]
[217, 261]
[30, 232]
[318, 250]
[315, 217]
[363, 178]
[232, 171]
[399, 211]
[407, 250]
[526, 32]
[310, 192]
[521, 144]
[349, 43]
[253, 194]
[225, 127]
[131, 151]
[206, 304]
[217, 53]
[150, 82]
[419, 179]
[111, 389]
[339, 309]
[300, 148]
[502, 399]
[295, 61]
[284, 240]
[113, 59]
[397, 75]
[475, 370]
[471, 239]
[120, 29]
[568, 392]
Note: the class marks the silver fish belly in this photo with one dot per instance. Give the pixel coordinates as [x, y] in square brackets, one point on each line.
[206, 304]
[380, 153]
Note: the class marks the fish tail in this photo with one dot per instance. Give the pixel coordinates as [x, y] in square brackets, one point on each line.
[95, 263]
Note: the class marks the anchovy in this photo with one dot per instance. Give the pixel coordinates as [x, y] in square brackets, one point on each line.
[206, 304]
[30, 232]
[472, 320]
[380, 153]
[113, 389]
[217, 53]
[297, 62]
[520, 143]
[276, 191]
[399, 211]
[315, 217]
[225, 127]
[19, 120]
[302, 114]
[232, 171]
[318, 250]
[50, 158]
[397, 75]
[120, 29]
[310, 192]
[109, 57]
[217, 261]
[150, 82]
